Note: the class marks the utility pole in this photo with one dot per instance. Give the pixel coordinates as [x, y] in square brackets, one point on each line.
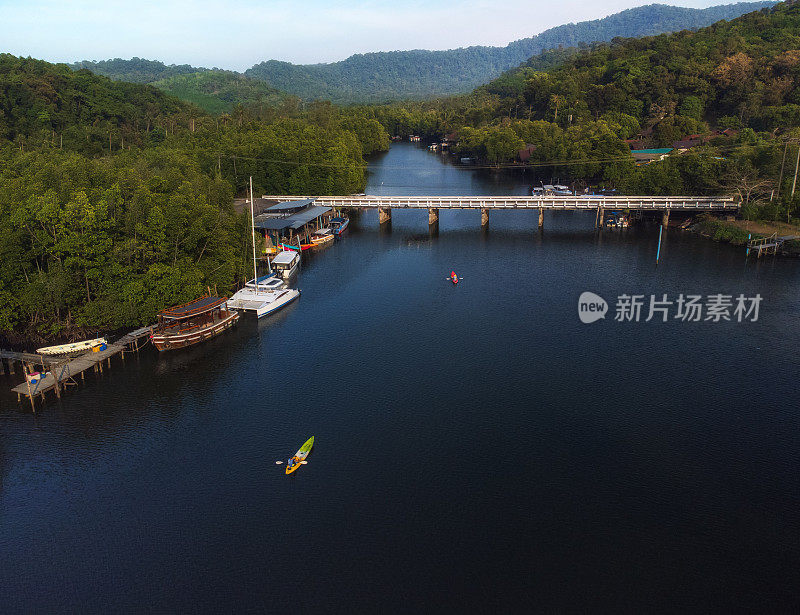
[783, 164]
[796, 167]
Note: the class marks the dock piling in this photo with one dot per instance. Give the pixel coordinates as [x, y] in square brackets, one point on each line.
[484, 217]
[384, 215]
[665, 219]
[541, 219]
[433, 216]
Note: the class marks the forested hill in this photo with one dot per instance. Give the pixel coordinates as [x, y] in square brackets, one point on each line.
[384, 76]
[116, 198]
[219, 91]
[739, 73]
[136, 70]
[38, 98]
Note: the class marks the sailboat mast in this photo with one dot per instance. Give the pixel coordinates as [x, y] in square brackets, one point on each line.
[253, 226]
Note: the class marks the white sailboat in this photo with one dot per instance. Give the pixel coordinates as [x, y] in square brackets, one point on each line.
[266, 294]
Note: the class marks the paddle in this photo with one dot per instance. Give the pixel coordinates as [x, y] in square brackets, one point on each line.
[280, 462]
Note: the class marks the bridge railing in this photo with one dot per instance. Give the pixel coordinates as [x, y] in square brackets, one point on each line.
[690, 203]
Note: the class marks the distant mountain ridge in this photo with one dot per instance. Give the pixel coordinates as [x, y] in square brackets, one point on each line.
[417, 74]
[393, 75]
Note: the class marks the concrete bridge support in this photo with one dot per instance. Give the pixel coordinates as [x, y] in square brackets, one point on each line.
[601, 214]
[541, 218]
[433, 216]
[665, 218]
[384, 215]
[484, 217]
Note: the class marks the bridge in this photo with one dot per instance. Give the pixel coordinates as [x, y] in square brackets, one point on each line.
[597, 204]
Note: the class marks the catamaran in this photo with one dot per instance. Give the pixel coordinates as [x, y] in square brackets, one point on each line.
[264, 295]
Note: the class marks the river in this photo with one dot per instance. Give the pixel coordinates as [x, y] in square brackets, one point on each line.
[478, 447]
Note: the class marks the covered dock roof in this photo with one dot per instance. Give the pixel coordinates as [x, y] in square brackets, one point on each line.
[294, 221]
[288, 206]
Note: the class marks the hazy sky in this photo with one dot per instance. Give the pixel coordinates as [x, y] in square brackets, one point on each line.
[236, 35]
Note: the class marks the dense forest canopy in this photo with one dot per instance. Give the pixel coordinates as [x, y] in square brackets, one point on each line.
[418, 74]
[116, 198]
[220, 91]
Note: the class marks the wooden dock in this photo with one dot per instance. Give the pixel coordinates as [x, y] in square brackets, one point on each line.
[61, 373]
[768, 245]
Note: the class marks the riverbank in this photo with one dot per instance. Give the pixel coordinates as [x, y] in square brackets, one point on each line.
[736, 232]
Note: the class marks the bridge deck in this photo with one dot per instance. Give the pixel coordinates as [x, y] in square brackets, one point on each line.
[645, 203]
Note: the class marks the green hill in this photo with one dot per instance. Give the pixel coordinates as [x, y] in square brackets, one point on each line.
[741, 73]
[219, 91]
[395, 75]
[135, 70]
[39, 99]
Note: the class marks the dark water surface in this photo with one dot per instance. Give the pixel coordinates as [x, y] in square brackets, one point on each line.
[477, 447]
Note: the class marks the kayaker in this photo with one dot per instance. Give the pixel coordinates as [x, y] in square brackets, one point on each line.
[453, 277]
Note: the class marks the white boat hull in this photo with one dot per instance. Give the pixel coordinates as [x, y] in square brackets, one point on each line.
[74, 347]
[262, 303]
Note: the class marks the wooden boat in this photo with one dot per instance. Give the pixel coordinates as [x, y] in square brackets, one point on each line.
[192, 323]
[302, 247]
[300, 455]
[322, 238]
[74, 347]
[339, 225]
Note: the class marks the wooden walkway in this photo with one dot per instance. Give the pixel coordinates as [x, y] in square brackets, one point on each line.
[62, 372]
[768, 245]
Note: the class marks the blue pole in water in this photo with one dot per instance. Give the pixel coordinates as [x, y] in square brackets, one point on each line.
[658, 253]
[749, 235]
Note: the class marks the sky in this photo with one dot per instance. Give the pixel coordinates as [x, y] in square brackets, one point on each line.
[237, 35]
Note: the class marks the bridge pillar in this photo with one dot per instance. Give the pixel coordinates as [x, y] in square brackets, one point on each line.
[665, 219]
[541, 218]
[433, 216]
[601, 214]
[384, 215]
[484, 217]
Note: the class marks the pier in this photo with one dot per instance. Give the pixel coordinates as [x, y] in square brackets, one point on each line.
[768, 245]
[483, 204]
[62, 372]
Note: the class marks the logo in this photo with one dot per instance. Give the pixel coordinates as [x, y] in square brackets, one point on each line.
[591, 308]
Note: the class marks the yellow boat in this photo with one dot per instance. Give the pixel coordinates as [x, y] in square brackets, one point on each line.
[299, 456]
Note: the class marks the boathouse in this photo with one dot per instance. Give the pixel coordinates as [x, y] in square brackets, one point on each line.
[291, 220]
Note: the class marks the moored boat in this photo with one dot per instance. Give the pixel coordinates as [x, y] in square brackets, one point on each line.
[291, 247]
[191, 323]
[286, 263]
[263, 302]
[339, 225]
[300, 456]
[322, 238]
[73, 347]
[266, 294]
[265, 282]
